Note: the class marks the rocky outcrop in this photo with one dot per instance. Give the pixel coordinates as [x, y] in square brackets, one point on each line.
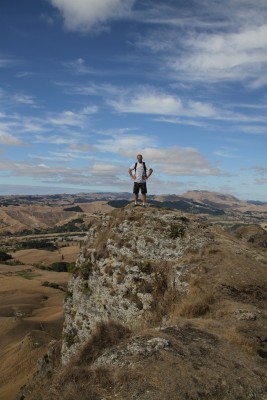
[161, 306]
[131, 269]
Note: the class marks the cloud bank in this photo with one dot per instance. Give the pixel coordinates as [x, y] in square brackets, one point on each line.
[85, 15]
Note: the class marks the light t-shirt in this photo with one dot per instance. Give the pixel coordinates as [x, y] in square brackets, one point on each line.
[140, 172]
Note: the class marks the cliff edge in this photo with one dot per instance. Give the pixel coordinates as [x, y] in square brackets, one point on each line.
[163, 306]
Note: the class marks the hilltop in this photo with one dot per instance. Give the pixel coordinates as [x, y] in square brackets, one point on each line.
[161, 306]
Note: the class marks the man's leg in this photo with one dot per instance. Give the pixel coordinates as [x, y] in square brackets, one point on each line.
[144, 191]
[144, 199]
[135, 192]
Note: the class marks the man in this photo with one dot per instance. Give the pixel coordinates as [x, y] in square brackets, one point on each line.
[141, 173]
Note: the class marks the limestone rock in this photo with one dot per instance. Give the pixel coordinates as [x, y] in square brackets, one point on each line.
[130, 270]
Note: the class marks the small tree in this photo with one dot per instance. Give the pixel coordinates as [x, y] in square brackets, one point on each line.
[4, 256]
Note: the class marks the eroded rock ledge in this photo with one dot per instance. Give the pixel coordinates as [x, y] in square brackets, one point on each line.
[132, 267]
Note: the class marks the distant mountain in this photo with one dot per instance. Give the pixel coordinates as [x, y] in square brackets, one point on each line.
[257, 202]
[213, 198]
[32, 213]
[181, 204]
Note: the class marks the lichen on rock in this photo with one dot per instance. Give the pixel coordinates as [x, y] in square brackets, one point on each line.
[130, 269]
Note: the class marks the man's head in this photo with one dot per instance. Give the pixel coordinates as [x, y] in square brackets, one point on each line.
[139, 157]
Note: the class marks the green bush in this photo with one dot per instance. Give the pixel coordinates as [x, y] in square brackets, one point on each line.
[4, 256]
[74, 208]
[176, 231]
[69, 338]
[59, 266]
[144, 266]
[71, 267]
[84, 270]
[37, 244]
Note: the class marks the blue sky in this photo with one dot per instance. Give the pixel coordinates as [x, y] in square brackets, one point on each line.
[87, 84]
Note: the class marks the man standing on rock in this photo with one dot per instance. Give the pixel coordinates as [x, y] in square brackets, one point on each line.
[141, 173]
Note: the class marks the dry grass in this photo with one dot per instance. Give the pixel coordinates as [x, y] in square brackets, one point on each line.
[198, 300]
[79, 379]
[31, 315]
[197, 305]
[106, 334]
[237, 339]
[195, 365]
[95, 383]
[45, 257]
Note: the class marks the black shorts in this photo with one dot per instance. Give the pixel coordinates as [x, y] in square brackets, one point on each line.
[138, 186]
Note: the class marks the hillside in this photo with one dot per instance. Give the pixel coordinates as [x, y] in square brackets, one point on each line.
[161, 306]
[31, 316]
[224, 201]
[15, 219]
[213, 198]
[58, 213]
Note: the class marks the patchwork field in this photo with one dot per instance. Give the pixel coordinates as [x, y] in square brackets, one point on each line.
[31, 315]
[45, 257]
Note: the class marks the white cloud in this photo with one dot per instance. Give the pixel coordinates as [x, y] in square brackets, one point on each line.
[55, 139]
[254, 129]
[261, 169]
[84, 15]
[71, 118]
[7, 62]
[51, 128]
[208, 42]
[182, 121]
[9, 140]
[23, 99]
[78, 67]
[217, 56]
[66, 118]
[148, 100]
[64, 156]
[24, 74]
[38, 171]
[81, 148]
[121, 144]
[105, 169]
[178, 161]
[226, 152]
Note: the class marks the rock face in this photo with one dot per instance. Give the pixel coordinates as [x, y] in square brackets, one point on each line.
[130, 270]
[161, 306]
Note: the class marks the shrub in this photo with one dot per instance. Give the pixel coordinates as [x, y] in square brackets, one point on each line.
[176, 231]
[68, 294]
[85, 289]
[84, 270]
[4, 256]
[60, 266]
[74, 208]
[69, 338]
[71, 267]
[53, 285]
[37, 244]
[144, 266]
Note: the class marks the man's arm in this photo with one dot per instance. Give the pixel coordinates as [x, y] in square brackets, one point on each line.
[131, 174]
[149, 173]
